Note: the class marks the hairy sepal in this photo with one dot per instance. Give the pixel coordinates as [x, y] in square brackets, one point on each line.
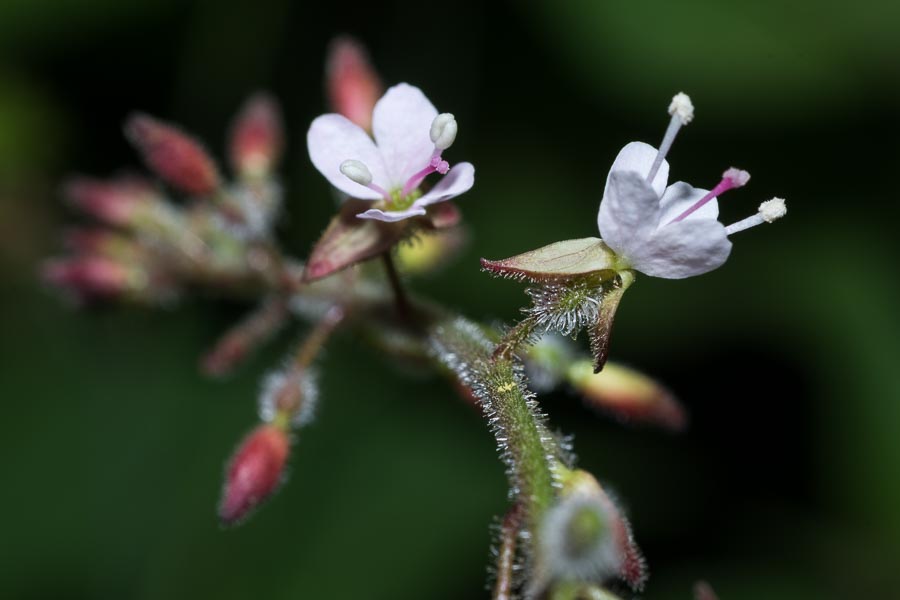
[349, 240]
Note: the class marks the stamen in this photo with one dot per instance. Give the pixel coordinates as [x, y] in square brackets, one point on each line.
[682, 111]
[732, 178]
[443, 131]
[358, 172]
[436, 165]
[769, 211]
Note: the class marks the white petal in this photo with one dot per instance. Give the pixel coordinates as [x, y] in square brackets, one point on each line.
[392, 215]
[628, 212]
[331, 140]
[457, 181]
[402, 127]
[681, 196]
[684, 249]
[639, 157]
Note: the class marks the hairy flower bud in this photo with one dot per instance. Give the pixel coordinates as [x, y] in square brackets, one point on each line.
[253, 474]
[177, 158]
[580, 487]
[116, 202]
[353, 85]
[579, 541]
[257, 137]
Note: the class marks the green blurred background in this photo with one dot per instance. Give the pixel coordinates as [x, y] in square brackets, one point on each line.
[787, 484]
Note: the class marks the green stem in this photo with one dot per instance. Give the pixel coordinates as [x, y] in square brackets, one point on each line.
[506, 554]
[514, 338]
[403, 307]
[517, 424]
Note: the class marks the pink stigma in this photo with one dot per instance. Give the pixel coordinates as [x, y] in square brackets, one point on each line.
[731, 179]
[435, 165]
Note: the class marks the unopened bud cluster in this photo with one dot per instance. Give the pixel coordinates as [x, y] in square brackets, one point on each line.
[148, 247]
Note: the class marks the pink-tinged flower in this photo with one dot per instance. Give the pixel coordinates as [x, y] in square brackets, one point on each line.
[671, 232]
[353, 85]
[175, 156]
[410, 137]
[254, 472]
[257, 137]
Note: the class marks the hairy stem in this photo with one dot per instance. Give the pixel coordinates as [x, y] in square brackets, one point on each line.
[506, 554]
[313, 343]
[525, 445]
[514, 338]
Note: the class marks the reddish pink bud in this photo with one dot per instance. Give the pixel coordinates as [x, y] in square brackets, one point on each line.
[627, 394]
[101, 242]
[704, 591]
[257, 137]
[176, 157]
[116, 202]
[353, 85]
[254, 472]
[90, 276]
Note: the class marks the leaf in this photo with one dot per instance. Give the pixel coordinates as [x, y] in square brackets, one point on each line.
[557, 262]
[348, 240]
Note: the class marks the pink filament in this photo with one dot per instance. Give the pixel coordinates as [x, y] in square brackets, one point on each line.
[726, 184]
[435, 165]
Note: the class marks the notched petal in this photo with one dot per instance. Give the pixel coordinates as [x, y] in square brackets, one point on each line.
[348, 240]
[561, 261]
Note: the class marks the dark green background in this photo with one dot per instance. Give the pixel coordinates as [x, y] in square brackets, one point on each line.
[786, 485]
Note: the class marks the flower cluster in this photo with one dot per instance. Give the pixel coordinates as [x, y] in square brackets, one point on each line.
[563, 536]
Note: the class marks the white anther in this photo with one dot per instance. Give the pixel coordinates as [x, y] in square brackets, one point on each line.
[682, 107]
[443, 131]
[772, 210]
[356, 171]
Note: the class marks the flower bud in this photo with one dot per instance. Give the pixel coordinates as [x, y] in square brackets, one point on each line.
[704, 591]
[90, 276]
[430, 251]
[443, 131]
[579, 485]
[116, 202]
[254, 473]
[101, 242]
[173, 155]
[578, 539]
[257, 137]
[353, 86]
[627, 394]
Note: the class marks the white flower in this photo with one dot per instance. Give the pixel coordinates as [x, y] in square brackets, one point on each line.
[670, 232]
[410, 136]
